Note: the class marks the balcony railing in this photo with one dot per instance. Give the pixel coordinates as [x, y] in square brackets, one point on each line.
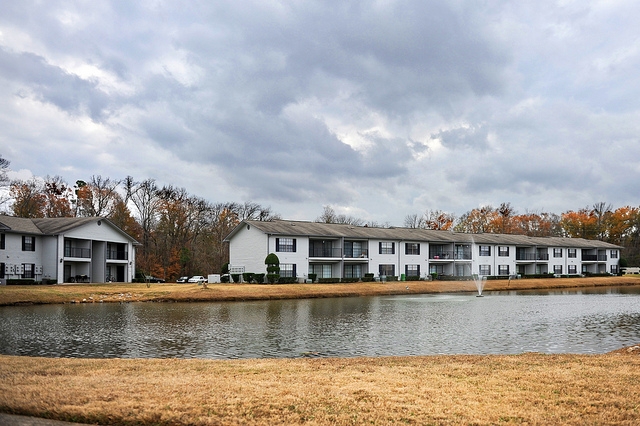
[325, 252]
[83, 253]
[355, 253]
[117, 255]
[532, 256]
[594, 257]
[448, 255]
[441, 255]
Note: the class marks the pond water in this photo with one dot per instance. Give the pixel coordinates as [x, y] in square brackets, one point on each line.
[584, 321]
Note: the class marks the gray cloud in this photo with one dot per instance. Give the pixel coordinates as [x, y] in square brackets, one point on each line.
[383, 108]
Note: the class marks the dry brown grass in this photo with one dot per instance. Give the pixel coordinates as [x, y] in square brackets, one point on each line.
[94, 293]
[514, 389]
[520, 389]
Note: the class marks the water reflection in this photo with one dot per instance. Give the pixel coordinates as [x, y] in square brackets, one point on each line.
[582, 321]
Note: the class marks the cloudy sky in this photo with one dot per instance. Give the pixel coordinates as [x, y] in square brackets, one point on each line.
[377, 108]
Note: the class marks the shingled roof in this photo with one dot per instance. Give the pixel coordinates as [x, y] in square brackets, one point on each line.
[333, 230]
[47, 226]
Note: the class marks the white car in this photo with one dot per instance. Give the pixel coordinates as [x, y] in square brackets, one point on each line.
[197, 279]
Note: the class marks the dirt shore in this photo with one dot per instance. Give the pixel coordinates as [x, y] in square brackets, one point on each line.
[100, 293]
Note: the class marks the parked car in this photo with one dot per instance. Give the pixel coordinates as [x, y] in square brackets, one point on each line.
[197, 279]
[152, 279]
[182, 280]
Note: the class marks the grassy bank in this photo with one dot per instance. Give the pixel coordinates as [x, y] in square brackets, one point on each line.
[96, 293]
[517, 389]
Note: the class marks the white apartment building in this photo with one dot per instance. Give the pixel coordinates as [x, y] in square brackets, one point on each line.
[347, 251]
[67, 249]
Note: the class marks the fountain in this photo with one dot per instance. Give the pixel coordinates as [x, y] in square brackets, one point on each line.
[480, 281]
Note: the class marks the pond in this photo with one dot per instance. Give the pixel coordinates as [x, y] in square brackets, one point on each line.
[583, 321]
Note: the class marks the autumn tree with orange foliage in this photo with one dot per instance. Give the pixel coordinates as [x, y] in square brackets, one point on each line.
[28, 198]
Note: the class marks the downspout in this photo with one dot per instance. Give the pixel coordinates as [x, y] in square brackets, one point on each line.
[399, 259]
[342, 257]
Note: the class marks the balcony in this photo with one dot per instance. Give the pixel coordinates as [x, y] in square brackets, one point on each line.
[356, 254]
[117, 255]
[441, 255]
[594, 257]
[325, 252]
[83, 253]
[532, 256]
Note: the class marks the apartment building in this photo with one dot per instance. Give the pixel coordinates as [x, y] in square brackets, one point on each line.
[65, 250]
[347, 251]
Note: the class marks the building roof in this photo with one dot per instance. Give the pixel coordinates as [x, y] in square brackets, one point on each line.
[332, 230]
[50, 225]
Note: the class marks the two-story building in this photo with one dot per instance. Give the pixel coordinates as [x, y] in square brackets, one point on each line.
[65, 249]
[347, 251]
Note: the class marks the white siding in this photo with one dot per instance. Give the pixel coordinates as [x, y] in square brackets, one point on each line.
[248, 249]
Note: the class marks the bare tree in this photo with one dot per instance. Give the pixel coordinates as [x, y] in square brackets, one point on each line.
[329, 216]
[414, 221]
[97, 197]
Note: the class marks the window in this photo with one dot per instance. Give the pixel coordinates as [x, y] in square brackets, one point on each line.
[2, 237]
[614, 254]
[286, 245]
[28, 243]
[557, 269]
[436, 269]
[388, 270]
[614, 269]
[287, 270]
[484, 269]
[28, 270]
[322, 271]
[571, 253]
[503, 251]
[412, 270]
[353, 271]
[387, 247]
[485, 250]
[503, 269]
[572, 269]
[557, 252]
[412, 248]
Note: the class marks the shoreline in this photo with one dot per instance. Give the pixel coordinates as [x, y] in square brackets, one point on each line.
[134, 292]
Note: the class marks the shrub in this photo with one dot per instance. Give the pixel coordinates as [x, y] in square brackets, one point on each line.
[259, 278]
[273, 267]
[236, 278]
[287, 280]
[21, 281]
[224, 279]
[313, 277]
[412, 278]
[273, 278]
[366, 279]
[247, 277]
[350, 280]
[225, 268]
[328, 280]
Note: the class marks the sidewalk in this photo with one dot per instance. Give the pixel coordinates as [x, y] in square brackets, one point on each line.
[13, 420]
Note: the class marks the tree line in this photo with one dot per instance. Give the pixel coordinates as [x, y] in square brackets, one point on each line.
[181, 234]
